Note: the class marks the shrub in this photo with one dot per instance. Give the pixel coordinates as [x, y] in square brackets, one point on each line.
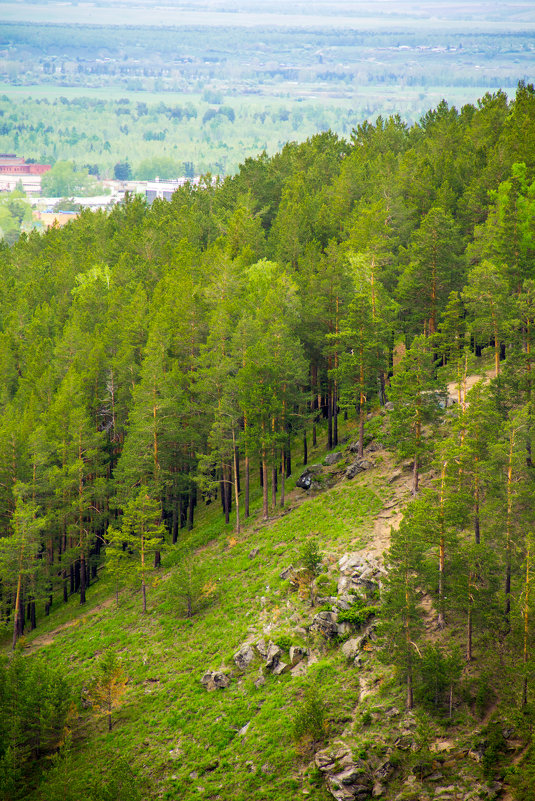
[284, 642]
[191, 588]
[310, 718]
[326, 585]
[357, 615]
[311, 557]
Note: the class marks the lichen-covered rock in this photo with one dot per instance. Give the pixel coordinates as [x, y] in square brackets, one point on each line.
[332, 458]
[297, 654]
[326, 623]
[306, 479]
[348, 779]
[215, 680]
[280, 668]
[359, 466]
[244, 657]
[273, 656]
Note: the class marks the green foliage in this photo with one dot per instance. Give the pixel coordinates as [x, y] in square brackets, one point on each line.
[64, 783]
[311, 557]
[35, 702]
[191, 588]
[284, 641]
[495, 748]
[438, 675]
[309, 723]
[64, 180]
[357, 615]
[326, 585]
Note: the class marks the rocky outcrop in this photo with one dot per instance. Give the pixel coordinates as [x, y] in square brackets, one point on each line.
[359, 573]
[359, 466]
[307, 480]
[215, 680]
[348, 779]
[333, 458]
[244, 657]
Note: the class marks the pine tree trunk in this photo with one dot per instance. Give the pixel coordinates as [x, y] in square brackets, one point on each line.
[82, 577]
[415, 476]
[335, 415]
[265, 508]
[191, 504]
[17, 628]
[247, 479]
[329, 421]
[236, 483]
[283, 479]
[174, 520]
[288, 453]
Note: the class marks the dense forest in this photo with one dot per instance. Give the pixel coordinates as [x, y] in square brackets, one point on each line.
[159, 359]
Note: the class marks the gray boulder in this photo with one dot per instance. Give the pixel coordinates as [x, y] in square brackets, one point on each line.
[273, 656]
[244, 657]
[281, 668]
[358, 467]
[306, 479]
[215, 680]
[332, 458]
[326, 623]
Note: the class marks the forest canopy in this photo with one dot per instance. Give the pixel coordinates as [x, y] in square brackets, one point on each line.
[153, 355]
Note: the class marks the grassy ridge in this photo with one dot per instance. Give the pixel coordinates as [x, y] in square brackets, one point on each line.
[177, 736]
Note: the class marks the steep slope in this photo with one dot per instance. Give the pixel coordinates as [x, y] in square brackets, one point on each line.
[184, 739]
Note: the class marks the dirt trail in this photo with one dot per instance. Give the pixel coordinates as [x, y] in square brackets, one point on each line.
[48, 637]
[484, 375]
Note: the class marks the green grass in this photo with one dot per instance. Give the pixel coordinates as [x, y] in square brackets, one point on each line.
[169, 726]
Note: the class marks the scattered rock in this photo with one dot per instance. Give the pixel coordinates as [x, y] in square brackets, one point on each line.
[395, 475]
[389, 406]
[254, 553]
[374, 446]
[260, 681]
[286, 573]
[243, 731]
[326, 624]
[354, 646]
[306, 479]
[215, 680]
[273, 656]
[297, 654]
[358, 467]
[280, 668]
[332, 458]
[244, 657]
[262, 648]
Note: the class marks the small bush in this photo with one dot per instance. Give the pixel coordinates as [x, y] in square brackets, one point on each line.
[284, 642]
[311, 557]
[357, 615]
[310, 718]
[326, 585]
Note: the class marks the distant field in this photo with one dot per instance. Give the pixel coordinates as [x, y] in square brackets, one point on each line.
[279, 76]
[404, 16]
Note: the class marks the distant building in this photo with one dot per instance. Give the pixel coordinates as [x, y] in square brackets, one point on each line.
[164, 189]
[15, 170]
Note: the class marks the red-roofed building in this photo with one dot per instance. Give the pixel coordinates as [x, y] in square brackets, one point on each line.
[14, 169]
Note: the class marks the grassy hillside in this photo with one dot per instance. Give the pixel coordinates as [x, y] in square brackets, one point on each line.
[182, 741]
